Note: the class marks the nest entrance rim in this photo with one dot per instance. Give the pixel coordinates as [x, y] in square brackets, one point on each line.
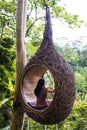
[32, 75]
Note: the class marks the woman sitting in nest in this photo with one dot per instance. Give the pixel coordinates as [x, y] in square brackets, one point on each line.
[41, 94]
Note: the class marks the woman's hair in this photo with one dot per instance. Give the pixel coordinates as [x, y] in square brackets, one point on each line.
[39, 86]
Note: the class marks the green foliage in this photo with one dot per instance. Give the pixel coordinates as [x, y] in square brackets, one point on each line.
[8, 6]
[7, 79]
[6, 57]
[83, 57]
[70, 55]
[5, 114]
[80, 82]
[5, 128]
[73, 52]
[34, 40]
[7, 43]
[77, 119]
[7, 18]
[83, 71]
[71, 19]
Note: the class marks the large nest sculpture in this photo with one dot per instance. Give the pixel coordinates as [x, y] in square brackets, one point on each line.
[47, 58]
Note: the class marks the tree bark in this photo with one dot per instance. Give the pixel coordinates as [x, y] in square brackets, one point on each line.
[18, 113]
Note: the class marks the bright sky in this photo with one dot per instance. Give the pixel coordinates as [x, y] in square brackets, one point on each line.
[78, 7]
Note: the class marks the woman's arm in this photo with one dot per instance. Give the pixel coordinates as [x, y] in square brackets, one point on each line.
[49, 90]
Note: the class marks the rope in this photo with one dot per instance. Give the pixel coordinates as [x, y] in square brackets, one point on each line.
[48, 28]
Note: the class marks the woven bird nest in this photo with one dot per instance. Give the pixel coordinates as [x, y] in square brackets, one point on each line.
[47, 58]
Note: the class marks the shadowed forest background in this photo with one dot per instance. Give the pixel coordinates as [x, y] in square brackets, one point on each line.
[74, 51]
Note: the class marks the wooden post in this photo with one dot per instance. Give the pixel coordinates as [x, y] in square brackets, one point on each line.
[56, 126]
[45, 127]
[18, 113]
[28, 126]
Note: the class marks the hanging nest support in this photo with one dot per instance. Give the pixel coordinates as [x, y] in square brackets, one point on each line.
[48, 58]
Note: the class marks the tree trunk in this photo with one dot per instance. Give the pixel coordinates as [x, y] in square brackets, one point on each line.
[18, 113]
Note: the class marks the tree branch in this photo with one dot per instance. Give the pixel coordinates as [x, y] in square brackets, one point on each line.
[30, 12]
[33, 24]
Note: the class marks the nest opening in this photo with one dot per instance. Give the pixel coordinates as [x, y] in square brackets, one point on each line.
[29, 82]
